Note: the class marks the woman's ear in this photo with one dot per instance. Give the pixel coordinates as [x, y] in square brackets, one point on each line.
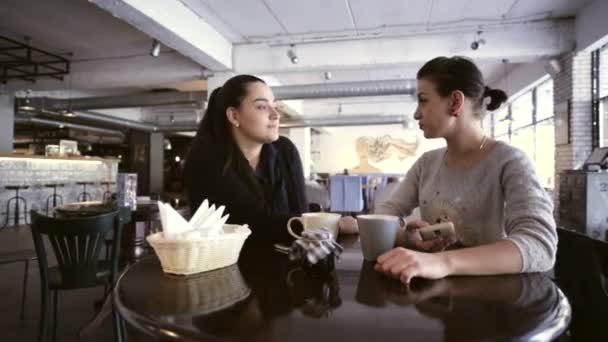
[457, 103]
[232, 116]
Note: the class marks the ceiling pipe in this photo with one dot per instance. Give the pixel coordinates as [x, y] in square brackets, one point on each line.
[194, 99]
[59, 124]
[344, 89]
[347, 120]
[142, 126]
[51, 108]
[116, 121]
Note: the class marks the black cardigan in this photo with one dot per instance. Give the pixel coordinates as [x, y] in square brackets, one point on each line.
[205, 178]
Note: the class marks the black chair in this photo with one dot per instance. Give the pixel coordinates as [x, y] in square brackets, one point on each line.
[77, 244]
[24, 256]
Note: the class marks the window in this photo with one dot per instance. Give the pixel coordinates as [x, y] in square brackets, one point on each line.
[544, 101]
[486, 124]
[504, 137]
[603, 72]
[604, 122]
[545, 153]
[524, 140]
[521, 111]
[501, 121]
[533, 134]
[603, 97]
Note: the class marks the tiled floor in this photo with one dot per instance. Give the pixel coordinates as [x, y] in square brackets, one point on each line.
[76, 307]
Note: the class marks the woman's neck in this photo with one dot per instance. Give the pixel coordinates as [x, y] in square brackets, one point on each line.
[251, 150]
[465, 142]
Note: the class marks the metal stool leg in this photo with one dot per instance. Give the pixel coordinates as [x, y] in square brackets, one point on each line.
[16, 218]
[8, 210]
[55, 198]
[84, 195]
[24, 211]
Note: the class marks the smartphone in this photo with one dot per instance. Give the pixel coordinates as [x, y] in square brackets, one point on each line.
[443, 229]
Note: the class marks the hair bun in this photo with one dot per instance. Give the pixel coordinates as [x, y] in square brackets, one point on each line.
[497, 97]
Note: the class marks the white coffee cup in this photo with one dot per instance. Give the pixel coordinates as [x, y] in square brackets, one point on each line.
[318, 220]
[378, 234]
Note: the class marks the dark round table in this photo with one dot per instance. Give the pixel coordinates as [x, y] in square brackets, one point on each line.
[267, 298]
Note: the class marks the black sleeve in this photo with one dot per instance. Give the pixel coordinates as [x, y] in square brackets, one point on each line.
[296, 190]
[205, 183]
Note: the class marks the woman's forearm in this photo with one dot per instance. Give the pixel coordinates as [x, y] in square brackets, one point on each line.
[501, 257]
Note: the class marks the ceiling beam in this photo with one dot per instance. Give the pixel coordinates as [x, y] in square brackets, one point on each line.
[136, 72]
[521, 42]
[177, 26]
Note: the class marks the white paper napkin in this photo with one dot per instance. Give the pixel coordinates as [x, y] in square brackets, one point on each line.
[206, 221]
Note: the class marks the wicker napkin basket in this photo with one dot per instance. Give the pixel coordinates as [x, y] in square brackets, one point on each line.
[185, 257]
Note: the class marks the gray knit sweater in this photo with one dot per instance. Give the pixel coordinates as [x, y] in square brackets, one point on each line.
[499, 198]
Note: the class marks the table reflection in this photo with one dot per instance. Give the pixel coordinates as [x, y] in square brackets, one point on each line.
[268, 298]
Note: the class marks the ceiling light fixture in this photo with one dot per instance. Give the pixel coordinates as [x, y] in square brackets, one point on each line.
[167, 144]
[155, 51]
[291, 53]
[478, 41]
[69, 113]
[26, 103]
[327, 75]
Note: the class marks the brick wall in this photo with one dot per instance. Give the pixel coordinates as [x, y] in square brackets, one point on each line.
[573, 83]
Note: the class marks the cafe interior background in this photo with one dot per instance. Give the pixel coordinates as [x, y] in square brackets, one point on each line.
[93, 89]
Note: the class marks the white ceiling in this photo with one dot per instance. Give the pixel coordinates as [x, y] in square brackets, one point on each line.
[64, 26]
[267, 20]
[112, 54]
[107, 52]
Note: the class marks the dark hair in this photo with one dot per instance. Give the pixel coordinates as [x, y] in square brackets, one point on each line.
[214, 131]
[459, 73]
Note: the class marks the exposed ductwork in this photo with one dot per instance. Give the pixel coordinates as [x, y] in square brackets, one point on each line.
[114, 121]
[151, 99]
[347, 120]
[142, 126]
[344, 89]
[51, 108]
[52, 123]
[98, 118]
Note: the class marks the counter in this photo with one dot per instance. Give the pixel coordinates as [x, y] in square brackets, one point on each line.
[36, 171]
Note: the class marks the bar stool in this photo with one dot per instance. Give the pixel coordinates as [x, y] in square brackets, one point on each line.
[84, 195]
[107, 195]
[18, 202]
[54, 198]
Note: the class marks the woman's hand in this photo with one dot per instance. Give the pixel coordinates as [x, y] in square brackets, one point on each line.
[405, 264]
[348, 225]
[415, 239]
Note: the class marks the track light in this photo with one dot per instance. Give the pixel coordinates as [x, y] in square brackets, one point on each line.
[155, 51]
[26, 103]
[69, 114]
[291, 53]
[477, 42]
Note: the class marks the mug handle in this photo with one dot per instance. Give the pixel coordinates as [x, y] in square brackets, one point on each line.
[289, 226]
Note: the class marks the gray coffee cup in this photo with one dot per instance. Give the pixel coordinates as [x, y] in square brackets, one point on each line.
[378, 234]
